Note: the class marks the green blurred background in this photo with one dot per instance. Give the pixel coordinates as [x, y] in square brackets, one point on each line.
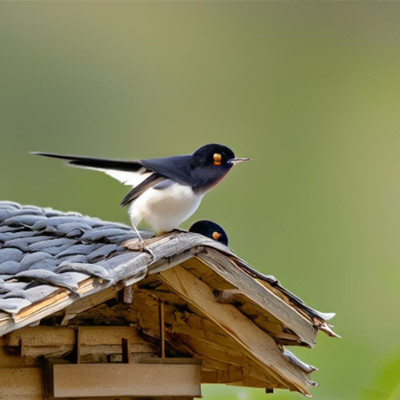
[310, 91]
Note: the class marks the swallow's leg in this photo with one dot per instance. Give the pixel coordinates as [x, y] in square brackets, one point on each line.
[138, 233]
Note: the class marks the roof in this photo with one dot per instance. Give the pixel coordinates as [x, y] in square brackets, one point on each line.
[51, 261]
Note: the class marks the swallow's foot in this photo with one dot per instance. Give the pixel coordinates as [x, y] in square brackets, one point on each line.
[145, 244]
[138, 244]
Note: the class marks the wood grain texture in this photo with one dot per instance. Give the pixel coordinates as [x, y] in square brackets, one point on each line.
[258, 294]
[21, 384]
[98, 380]
[257, 344]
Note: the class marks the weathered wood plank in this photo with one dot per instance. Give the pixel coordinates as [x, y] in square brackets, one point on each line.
[257, 344]
[166, 296]
[41, 336]
[85, 380]
[37, 311]
[90, 301]
[58, 336]
[56, 341]
[257, 293]
[208, 275]
[4, 316]
[225, 376]
[61, 297]
[213, 351]
[108, 335]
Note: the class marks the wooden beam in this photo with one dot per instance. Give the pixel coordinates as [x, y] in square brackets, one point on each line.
[258, 294]
[90, 335]
[88, 302]
[203, 271]
[214, 351]
[34, 313]
[41, 336]
[100, 380]
[253, 341]
[109, 335]
[127, 294]
[56, 341]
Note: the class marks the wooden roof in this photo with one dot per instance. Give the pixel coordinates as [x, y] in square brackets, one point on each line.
[63, 269]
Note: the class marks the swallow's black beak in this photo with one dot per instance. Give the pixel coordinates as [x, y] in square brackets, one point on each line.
[235, 161]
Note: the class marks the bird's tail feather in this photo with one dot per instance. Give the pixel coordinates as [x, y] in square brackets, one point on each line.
[98, 163]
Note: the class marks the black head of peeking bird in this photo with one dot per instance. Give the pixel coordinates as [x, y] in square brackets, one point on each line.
[211, 230]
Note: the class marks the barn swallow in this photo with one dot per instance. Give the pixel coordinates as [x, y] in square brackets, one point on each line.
[166, 191]
[211, 230]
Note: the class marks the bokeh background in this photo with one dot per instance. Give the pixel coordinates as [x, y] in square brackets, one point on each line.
[310, 91]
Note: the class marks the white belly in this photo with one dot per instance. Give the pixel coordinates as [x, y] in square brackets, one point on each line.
[165, 209]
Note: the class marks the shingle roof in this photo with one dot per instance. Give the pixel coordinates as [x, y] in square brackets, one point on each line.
[44, 251]
[50, 259]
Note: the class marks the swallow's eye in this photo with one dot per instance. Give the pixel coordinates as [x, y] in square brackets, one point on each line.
[217, 158]
[216, 235]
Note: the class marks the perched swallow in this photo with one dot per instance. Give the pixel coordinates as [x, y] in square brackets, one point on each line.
[166, 191]
[211, 230]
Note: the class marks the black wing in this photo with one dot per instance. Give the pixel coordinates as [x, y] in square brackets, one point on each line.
[176, 168]
[152, 180]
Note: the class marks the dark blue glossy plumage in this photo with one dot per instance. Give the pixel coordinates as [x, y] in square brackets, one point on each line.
[211, 230]
[196, 170]
[165, 191]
